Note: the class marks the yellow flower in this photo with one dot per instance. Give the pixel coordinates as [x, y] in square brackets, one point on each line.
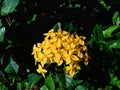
[72, 68]
[61, 47]
[58, 43]
[58, 59]
[50, 34]
[70, 71]
[41, 70]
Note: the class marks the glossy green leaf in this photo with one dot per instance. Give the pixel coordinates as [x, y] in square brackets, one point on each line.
[57, 26]
[44, 87]
[12, 67]
[64, 79]
[108, 32]
[116, 18]
[49, 82]
[97, 33]
[2, 33]
[8, 6]
[33, 79]
[113, 44]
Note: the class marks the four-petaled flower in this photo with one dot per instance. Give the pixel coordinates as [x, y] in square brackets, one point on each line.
[41, 70]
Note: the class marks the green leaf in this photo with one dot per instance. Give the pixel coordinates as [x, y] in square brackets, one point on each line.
[19, 85]
[33, 19]
[64, 79]
[108, 32]
[104, 4]
[69, 27]
[79, 87]
[49, 82]
[118, 35]
[8, 6]
[97, 33]
[113, 44]
[2, 33]
[114, 80]
[12, 67]
[118, 84]
[76, 82]
[90, 42]
[33, 79]
[44, 87]
[57, 26]
[116, 19]
[3, 87]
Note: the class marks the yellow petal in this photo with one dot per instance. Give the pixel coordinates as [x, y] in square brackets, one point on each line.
[60, 62]
[58, 44]
[72, 45]
[68, 60]
[41, 70]
[72, 73]
[81, 42]
[71, 52]
[80, 54]
[74, 58]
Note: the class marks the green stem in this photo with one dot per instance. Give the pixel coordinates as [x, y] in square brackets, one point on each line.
[9, 22]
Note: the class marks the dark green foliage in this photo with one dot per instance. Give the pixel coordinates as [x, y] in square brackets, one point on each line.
[64, 80]
[23, 22]
[12, 67]
[33, 79]
[49, 82]
[57, 26]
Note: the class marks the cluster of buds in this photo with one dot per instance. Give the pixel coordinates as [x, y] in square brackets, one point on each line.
[61, 48]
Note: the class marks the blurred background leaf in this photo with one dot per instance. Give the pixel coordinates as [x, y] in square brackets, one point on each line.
[79, 87]
[44, 87]
[57, 26]
[116, 18]
[65, 80]
[12, 67]
[49, 82]
[2, 33]
[8, 6]
[33, 79]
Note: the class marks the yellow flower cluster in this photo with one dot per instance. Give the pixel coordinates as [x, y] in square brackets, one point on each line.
[61, 47]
